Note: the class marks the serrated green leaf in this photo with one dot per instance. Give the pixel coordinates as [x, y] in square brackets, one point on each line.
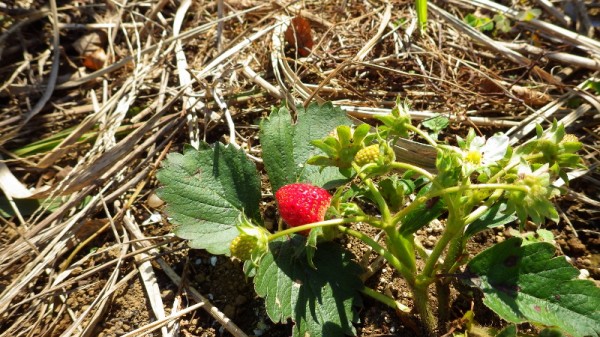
[320, 300]
[206, 191]
[496, 216]
[277, 141]
[527, 283]
[436, 124]
[287, 147]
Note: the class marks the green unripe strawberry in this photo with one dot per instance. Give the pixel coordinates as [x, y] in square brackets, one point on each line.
[367, 155]
[242, 246]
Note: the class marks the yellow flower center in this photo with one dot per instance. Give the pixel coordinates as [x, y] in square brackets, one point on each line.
[474, 157]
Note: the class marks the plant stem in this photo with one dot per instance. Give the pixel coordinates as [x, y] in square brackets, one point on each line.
[420, 132]
[390, 302]
[421, 6]
[421, 301]
[332, 222]
[379, 249]
[386, 216]
[413, 205]
[460, 188]
[454, 225]
[403, 249]
[483, 208]
[405, 166]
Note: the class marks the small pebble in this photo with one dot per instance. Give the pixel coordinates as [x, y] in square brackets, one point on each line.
[241, 300]
[229, 311]
[583, 274]
[213, 261]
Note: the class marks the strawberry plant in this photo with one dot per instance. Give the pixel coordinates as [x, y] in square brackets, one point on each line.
[327, 175]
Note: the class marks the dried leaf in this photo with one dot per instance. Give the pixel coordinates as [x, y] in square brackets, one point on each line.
[299, 35]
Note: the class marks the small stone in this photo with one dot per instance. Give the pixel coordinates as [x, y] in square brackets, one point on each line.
[241, 300]
[229, 310]
[126, 327]
[576, 246]
[583, 274]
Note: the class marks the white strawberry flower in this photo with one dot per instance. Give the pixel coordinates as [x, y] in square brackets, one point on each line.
[482, 153]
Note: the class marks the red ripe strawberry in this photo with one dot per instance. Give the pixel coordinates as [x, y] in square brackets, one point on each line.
[301, 204]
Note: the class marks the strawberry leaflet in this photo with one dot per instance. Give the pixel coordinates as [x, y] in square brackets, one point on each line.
[321, 300]
[527, 283]
[206, 191]
[286, 146]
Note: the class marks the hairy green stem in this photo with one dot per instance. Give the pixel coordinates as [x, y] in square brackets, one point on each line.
[455, 249]
[461, 188]
[477, 213]
[422, 134]
[386, 216]
[421, 301]
[379, 249]
[413, 205]
[405, 166]
[332, 222]
[390, 302]
[402, 248]
[510, 166]
[454, 226]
